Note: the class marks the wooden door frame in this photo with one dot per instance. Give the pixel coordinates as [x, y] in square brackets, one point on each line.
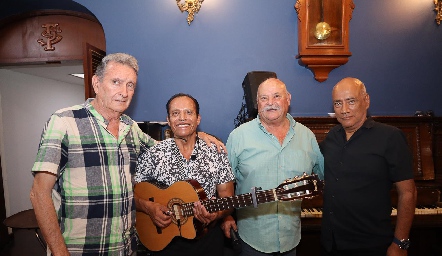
[92, 57]
[4, 237]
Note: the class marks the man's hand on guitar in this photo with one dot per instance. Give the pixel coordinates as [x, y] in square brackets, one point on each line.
[159, 213]
[202, 214]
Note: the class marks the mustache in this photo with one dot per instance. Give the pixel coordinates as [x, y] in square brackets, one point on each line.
[271, 107]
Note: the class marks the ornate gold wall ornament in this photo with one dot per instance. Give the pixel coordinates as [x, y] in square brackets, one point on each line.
[438, 10]
[191, 6]
[51, 33]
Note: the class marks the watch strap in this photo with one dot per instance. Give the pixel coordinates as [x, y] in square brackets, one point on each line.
[403, 244]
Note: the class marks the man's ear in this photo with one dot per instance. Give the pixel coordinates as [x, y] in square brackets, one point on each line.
[367, 100]
[95, 83]
[198, 120]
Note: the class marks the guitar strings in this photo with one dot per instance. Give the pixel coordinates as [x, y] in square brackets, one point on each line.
[239, 201]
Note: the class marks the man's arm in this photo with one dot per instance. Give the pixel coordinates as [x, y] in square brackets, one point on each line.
[407, 195]
[212, 139]
[41, 199]
[225, 190]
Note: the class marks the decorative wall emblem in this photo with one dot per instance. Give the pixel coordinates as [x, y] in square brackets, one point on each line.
[191, 6]
[50, 32]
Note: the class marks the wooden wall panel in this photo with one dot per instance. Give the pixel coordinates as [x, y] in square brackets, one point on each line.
[25, 37]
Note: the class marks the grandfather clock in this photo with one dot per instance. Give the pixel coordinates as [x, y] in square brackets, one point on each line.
[323, 33]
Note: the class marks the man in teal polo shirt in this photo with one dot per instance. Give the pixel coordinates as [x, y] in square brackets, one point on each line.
[263, 153]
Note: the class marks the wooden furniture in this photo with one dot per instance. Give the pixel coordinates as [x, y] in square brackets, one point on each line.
[424, 135]
[26, 234]
[323, 34]
[420, 133]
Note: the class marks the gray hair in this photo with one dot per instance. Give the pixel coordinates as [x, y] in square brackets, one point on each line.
[121, 58]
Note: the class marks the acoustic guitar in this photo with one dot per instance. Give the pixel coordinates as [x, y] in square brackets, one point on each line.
[180, 196]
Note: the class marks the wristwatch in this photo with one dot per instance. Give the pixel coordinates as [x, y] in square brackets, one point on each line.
[403, 244]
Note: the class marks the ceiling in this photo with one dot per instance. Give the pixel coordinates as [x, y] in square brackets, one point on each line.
[58, 72]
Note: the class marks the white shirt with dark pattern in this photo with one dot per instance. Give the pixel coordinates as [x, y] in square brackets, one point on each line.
[164, 163]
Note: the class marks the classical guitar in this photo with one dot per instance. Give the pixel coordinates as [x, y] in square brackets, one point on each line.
[180, 196]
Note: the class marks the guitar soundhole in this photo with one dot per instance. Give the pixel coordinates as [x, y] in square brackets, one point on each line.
[179, 216]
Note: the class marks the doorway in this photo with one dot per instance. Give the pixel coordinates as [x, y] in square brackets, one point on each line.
[43, 44]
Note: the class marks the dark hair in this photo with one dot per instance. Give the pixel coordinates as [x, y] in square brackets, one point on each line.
[195, 102]
[121, 58]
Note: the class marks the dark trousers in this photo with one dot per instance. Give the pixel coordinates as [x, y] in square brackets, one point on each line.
[374, 251]
[211, 243]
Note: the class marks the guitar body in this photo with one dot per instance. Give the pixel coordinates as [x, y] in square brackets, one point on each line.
[180, 196]
[154, 238]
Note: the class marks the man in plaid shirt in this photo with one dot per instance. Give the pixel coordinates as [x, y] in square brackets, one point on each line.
[83, 186]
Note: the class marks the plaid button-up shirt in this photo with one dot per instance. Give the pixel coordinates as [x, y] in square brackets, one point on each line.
[93, 194]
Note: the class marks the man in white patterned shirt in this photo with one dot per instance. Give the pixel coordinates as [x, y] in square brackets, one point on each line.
[180, 158]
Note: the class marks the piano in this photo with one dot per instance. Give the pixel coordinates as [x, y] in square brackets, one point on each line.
[424, 136]
[428, 204]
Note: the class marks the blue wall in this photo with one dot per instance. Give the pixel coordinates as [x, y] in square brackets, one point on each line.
[396, 47]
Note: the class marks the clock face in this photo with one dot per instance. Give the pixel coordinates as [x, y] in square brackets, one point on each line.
[324, 22]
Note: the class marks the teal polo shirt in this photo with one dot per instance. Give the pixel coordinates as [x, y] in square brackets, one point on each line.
[259, 160]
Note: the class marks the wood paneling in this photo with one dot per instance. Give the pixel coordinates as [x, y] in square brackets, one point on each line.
[25, 37]
[423, 135]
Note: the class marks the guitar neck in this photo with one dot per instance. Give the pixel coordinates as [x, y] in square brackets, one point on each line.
[238, 201]
[294, 189]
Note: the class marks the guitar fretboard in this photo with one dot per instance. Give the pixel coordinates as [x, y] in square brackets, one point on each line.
[298, 190]
[238, 201]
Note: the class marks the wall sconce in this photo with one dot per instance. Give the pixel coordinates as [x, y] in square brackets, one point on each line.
[438, 9]
[191, 6]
